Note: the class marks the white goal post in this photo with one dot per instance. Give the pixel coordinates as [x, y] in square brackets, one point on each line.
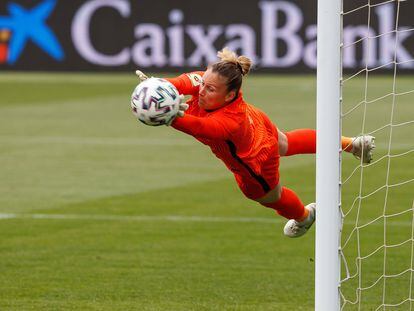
[327, 261]
[365, 210]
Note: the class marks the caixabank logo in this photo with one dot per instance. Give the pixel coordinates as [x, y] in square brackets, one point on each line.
[22, 25]
[158, 35]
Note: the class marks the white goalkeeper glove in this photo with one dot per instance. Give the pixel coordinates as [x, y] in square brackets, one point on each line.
[182, 107]
[141, 76]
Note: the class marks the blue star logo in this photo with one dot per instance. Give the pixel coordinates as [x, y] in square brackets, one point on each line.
[31, 25]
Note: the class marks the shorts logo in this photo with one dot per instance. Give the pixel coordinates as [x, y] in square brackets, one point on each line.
[22, 25]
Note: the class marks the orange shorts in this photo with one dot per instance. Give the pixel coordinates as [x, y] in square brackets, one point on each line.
[261, 178]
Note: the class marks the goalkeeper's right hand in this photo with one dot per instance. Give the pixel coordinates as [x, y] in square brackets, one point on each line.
[183, 106]
[141, 76]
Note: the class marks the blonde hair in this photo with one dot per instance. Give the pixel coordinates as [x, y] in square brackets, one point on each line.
[227, 55]
[232, 67]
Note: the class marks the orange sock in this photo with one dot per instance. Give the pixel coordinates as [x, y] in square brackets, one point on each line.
[346, 143]
[301, 141]
[289, 205]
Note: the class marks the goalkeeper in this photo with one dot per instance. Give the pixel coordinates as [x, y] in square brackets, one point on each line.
[245, 139]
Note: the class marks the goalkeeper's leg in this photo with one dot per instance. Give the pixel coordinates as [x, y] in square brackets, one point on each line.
[303, 141]
[282, 199]
[287, 204]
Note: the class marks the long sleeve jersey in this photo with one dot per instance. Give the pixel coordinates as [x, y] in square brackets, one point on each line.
[239, 134]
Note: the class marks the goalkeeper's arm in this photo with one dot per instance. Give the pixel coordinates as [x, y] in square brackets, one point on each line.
[207, 127]
[186, 83]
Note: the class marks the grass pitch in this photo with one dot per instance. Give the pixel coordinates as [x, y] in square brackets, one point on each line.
[99, 212]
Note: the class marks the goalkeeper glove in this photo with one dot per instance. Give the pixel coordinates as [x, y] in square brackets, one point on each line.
[142, 76]
[182, 107]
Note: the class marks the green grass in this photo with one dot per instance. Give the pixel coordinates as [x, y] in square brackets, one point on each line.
[148, 219]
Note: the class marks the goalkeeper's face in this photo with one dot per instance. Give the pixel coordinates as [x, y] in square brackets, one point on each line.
[213, 93]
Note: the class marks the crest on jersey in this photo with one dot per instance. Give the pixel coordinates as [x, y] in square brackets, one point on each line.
[195, 79]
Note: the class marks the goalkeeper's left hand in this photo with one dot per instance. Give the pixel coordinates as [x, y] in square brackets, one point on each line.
[182, 107]
[142, 76]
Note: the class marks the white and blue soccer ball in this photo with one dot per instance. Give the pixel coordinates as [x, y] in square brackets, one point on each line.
[155, 102]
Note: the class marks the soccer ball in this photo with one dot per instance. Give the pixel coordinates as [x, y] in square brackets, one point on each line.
[155, 102]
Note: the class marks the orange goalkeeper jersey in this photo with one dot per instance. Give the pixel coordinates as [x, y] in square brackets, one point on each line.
[239, 134]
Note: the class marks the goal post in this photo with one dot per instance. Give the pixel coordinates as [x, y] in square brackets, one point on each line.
[327, 261]
[365, 211]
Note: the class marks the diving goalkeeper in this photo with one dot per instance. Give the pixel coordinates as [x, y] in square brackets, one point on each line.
[245, 139]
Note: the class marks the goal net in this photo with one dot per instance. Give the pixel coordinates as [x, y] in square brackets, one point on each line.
[376, 200]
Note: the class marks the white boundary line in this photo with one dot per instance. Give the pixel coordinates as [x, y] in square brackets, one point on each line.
[141, 218]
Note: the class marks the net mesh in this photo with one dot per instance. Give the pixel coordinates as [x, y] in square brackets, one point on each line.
[377, 235]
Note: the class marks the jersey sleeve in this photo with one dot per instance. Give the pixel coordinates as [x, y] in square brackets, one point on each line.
[187, 83]
[206, 127]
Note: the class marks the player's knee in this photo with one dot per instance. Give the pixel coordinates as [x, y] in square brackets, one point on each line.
[283, 143]
[272, 196]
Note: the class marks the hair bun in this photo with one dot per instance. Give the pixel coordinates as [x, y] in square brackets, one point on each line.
[242, 62]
